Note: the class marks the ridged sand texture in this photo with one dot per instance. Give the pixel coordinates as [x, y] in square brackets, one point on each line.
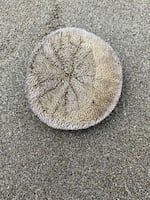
[74, 79]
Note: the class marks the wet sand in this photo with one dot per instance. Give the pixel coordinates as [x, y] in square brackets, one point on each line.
[108, 161]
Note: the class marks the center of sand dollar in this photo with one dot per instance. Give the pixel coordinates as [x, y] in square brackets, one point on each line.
[69, 71]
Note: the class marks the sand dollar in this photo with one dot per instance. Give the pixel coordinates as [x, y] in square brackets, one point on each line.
[74, 79]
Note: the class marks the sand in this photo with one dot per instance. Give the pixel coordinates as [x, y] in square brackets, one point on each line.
[110, 161]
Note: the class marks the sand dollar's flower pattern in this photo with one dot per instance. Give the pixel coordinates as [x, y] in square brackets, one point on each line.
[72, 78]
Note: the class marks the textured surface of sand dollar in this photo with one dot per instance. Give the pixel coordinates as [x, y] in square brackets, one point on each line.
[74, 79]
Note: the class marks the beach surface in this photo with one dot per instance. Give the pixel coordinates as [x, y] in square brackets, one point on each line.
[110, 161]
